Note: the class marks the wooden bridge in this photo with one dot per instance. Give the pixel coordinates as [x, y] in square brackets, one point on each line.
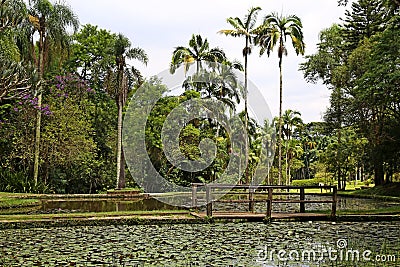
[268, 194]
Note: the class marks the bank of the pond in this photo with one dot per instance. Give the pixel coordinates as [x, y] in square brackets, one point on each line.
[35, 211]
[99, 219]
[387, 192]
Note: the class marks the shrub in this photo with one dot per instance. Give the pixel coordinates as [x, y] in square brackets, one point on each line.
[308, 182]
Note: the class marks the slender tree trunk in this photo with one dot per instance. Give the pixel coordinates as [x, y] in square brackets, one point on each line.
[378, 170]
[119, 143]
[287, 163]
[40, 69]
[245, 112]
[339, 169]
[122, 98]
[280, 124]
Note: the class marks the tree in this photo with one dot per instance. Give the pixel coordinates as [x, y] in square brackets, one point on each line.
[366, 18]
[375, 97]
[16, 77]
[198, 50]
[92, 54]
[50, 22]
[119, 82]
[291, 119]
[244, 29]
[272, 32]
[12, 14]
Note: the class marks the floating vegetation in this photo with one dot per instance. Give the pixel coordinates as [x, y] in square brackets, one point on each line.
[230, 244]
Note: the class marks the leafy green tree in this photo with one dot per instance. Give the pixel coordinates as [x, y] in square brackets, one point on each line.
[329, 65]
[50, 21]
[16, 77]
[120, 81]
[244, 29]
[375, 98]
[363, 20]
[291, 119]
[92, 54]
[274, 32]
[351, 147]
[12, 14]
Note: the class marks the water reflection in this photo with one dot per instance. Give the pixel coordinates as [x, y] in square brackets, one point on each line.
[105, 205]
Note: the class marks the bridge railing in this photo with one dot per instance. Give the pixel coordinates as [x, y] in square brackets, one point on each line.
[268, 191]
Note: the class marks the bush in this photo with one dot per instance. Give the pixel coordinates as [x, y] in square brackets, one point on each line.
[308, 182]
[19, 182]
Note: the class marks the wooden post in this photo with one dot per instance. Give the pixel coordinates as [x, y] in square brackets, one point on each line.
[251, 199]
[334, 199]
[194, 195]
[269, 203]
[302, 198]
[209, 201]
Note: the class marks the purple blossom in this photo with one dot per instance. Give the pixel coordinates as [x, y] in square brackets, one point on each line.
[16, 109]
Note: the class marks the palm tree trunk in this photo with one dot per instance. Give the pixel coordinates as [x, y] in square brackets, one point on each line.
[40, 68]
[119, 143]
[280, 124]
[287, 163]
[245, 111]
[37, 140]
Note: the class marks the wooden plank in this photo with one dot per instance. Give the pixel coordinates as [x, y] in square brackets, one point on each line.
[269, 203]
[251, 200]
[194, 195]
[302, 197]
[240, 200]
[334, 201]
[209, 201]
[302, 201]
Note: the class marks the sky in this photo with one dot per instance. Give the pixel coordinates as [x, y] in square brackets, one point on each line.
[159, 26]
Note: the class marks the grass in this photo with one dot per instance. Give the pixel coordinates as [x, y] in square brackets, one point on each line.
[83, 215]
[389, 192]
[7, 201]
[394, 210]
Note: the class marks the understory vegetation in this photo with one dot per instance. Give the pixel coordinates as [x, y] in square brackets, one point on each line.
[65, 88]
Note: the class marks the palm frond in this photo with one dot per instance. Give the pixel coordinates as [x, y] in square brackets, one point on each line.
[251, 18]
[138, 54]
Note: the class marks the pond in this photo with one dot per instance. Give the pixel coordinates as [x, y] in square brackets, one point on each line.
[149, 204]
[105, 205]
[232, 244]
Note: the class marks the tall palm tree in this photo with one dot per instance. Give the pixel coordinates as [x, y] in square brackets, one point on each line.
[244, 29]
[118, 83]
[197, 51]
[51, 22]
[274, 32]
[291, 119]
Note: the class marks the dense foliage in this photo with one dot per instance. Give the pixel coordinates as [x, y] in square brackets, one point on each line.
[63, 97]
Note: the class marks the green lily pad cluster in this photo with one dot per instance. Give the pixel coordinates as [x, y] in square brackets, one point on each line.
[189, 245]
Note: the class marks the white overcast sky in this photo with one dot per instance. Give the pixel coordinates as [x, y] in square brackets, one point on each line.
[159, 26]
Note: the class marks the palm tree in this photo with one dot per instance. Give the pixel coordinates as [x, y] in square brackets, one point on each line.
[51, 23]
[274, 31]
[291, 119]
[244, 29]
[197, 51]
[16, 77]
[118, 82]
